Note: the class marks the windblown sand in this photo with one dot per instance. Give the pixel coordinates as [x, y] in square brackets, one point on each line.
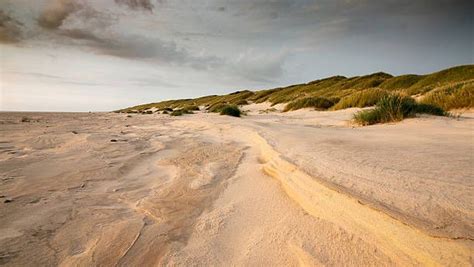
[275, 189]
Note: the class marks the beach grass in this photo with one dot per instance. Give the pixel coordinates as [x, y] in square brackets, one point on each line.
[452, 96]
[231, 110]
[449, 89]
[365, 98]
[394, 107]
[318, 103]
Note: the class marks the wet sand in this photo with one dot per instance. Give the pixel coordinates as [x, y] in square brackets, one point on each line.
[298, 188]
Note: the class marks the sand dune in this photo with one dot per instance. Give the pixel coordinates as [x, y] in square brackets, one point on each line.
[284, 189]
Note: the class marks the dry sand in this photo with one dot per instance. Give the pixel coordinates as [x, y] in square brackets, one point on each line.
[279, 189]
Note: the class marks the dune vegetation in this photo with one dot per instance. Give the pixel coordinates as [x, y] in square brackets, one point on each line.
[393, 107]
[365, 98]
[447, 89]
[318, 103]
[231, 110]
[452, 96]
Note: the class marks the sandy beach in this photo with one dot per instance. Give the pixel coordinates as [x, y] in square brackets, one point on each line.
[302, 188]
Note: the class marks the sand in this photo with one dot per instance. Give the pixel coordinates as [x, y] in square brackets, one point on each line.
[280, 189]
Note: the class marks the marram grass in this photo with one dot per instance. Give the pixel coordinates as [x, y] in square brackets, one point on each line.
[392, 108]
[365, 98]
[450, 89]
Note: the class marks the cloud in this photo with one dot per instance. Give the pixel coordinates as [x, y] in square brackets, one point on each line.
[258, 66]
[136, 47]
[56, 12]
[10, 31]
[137, 4]
[217, 35]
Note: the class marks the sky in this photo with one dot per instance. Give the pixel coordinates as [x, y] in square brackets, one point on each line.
[102, 55]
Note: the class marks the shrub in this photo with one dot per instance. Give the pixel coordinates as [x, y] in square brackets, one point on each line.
[367, 117]
[177, 112]
[319, 103]
[395, 108]
[459, 95]
[430, 109]
[242, 102]
[365, 98]
[180, 112]
[191, 108]
[25, 119]
[231, 110]
[217, 107]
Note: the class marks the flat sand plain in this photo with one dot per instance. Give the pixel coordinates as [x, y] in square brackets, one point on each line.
[279, 189]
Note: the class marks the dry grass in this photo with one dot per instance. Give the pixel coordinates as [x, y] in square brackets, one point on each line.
[231, 110]
[365, 98]
[453, 96]
[393, 108]
[318, 103]
[440, 88]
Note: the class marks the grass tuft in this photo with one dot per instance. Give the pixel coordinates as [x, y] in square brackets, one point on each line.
[455, 96]
[365, 98]
[25, 119]
[177, 112]
[319, 103]
[180, 112]
[423, 108]
[231, 110]
[393, 108]
[191, 108]
[217, 107]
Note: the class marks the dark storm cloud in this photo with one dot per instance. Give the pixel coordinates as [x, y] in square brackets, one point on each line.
[57, 11]
[140, 48]
[265, 27]
[304, 14]
[10, 29]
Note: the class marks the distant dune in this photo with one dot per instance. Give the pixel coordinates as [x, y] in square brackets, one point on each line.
[449, 89]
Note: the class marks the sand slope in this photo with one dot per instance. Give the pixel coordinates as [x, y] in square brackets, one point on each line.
[299, 188]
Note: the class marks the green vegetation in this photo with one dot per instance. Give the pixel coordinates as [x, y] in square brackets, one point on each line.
[319, 103]
[400, 82]
[449, 89]
[231, 110]
[393, 108]
[191, 108]
[365, 98]
[180, 112]
[453, 96]
[216, 108]
[177, 112]
[422, 108]
[442, 78]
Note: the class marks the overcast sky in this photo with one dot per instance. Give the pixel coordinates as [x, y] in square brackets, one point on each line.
[99, 55]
